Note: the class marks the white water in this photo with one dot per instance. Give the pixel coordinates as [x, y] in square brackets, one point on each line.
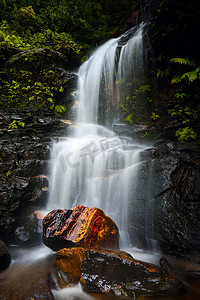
[71, 293]
[94, 167]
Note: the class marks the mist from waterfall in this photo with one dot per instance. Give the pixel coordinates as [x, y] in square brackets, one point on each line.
[93, 166]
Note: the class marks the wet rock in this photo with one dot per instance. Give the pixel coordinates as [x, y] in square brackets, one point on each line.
[117, 273]
[20, 197]
[43, 56]
[166, 266]
[30, 231]
[80, 226]
[165, 213]
[69, 261]
[24, 167]
[5, 257]
[178, 208]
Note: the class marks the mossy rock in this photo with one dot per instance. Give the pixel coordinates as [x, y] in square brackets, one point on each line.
[37, 79]
[37, 60]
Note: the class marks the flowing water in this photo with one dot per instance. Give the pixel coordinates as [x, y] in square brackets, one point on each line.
[94, 167]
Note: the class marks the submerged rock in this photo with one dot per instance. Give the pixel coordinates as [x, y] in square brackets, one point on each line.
[117, 273]
[80, 226]
[5, 257]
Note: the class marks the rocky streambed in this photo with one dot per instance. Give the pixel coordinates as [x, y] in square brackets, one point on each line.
[112, 273]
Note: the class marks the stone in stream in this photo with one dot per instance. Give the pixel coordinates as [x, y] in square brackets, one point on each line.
[79, 227]
[114, 273]
[117, 273]
[69, 261]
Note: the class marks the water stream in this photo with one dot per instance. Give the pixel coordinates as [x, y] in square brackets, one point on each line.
[95, 167]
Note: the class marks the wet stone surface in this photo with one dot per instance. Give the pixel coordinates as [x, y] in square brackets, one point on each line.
[119, 274]
[24, 170]
[80, 226]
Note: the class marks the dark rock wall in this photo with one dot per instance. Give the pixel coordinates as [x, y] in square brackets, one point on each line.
[24, 164]
[165, 207]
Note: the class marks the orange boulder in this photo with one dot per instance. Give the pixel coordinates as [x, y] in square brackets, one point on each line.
[79, 227]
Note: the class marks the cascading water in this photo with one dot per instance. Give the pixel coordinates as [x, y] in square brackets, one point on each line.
[94, 167]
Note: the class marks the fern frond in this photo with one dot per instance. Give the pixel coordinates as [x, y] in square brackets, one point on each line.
[184, 61]
[176, 79]
[192, 75]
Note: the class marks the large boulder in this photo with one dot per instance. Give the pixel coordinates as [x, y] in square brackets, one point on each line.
[80, 226]
[117, 273]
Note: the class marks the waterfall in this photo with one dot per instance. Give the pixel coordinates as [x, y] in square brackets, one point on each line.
[93, 166]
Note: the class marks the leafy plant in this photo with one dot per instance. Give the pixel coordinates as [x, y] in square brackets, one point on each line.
[30, 92]
[154, 116]
[24, 16]
[15, 124]
[132, 98]
[59, 109]
[9, 38]
[186, 108]
[190, 75]
[185, 134]
[8, 173]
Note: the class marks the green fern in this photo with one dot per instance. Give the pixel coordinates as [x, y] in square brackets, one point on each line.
[193, 75]
[176, 79]
[190, 75]
[184, 61]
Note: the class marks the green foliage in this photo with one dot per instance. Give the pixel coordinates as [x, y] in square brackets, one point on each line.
[87, 20]
[71, 27]
[184, 61]
[132, 98]
[178, 62]
[154, 116]
[62, 42]
[30, 92]
[129, 119]
[185, 134]
[186, 108]
[8, 173]
[15, 124]
[24, 16]
[8, 38]
[190, 75]
[59, 109]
